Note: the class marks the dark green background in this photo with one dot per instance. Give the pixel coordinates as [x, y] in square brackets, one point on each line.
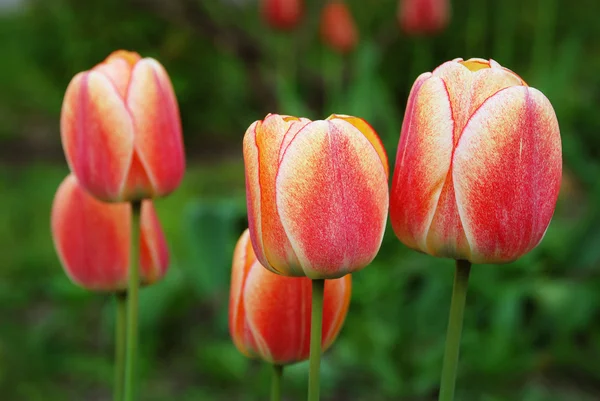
[532, 328]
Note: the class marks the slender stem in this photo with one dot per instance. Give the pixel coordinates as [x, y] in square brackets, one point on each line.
[316, 323]
[132, 304]
[120, 338]
[455, 323]
[276, 383]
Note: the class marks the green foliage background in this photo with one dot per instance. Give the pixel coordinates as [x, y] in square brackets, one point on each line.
[532, 328]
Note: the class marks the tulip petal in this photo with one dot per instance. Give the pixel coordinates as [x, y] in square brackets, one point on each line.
[369, 133]
[507, 170]
[253, 189]
[158, 141]
[117, 68]
[422, 162]
[97, 134]
[335, 307]
[469, 84]
[91, 237]
[243, 258]
[332, 198]
[262, 146]
[154, 252]
[276, 313]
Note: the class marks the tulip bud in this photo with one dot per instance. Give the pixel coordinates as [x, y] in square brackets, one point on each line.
[121, 131]
[93, 238]
[269, 314]
[282, 14]
[423, 16]
[337, 27]
[317, 194]
[479, 164]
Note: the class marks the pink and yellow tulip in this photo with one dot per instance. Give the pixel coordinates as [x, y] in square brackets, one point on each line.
[121, 130]
[269, 314]
[92, 239]
[478, 167]
[317, 194]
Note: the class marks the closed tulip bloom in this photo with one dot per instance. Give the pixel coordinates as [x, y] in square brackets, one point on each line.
[317, 194]
[337, 27]
[92, 239]
[479, 164]
[269, 314]
[423, 16]
[121, 131]
[282, 14]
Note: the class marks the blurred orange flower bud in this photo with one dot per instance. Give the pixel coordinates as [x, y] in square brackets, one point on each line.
[337, 27]
[479, 164]
[282, 14]
[92, 239]
[317, 194]
[423, 16]
[121, 131]
[269, 314]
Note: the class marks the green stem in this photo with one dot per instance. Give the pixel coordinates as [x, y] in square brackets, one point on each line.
[132, 304]
[276, 383]
[316, 323]
[120, 337]
[455, 323]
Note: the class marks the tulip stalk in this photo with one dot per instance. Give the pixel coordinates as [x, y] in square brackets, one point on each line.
[316, 323]
[276, 382]
[120, 339]
[455, 323]
[132, 304]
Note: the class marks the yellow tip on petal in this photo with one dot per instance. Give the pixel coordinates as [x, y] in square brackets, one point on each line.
[476, 64]
[130, 57]
[368, 131]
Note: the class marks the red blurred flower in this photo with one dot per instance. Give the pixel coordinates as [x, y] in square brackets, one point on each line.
[338, 29]
[423, 16]
[92, 239]
[282, 14]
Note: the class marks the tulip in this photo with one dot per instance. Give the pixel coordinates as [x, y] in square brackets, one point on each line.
[282, 14]
[478, 167]
[337, 27]
[317, 194]
[477, 175]
[423, 16]
[269, 314]
[121, 131]
[92, 239]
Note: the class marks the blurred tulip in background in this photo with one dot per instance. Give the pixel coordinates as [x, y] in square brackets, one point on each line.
[423, 16]
[269, 314]
[338, 29]
[92, 239]
[282, 14]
